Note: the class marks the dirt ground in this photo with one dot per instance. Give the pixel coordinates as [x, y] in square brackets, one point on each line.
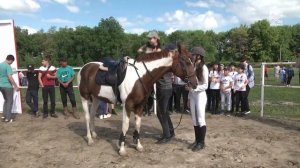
[230, 142]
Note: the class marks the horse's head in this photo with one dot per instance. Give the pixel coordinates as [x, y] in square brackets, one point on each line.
[183, 66]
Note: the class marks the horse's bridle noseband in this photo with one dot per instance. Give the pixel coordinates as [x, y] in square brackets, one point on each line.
[183, 64]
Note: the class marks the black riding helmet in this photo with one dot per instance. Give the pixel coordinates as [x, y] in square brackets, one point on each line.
[197, 53]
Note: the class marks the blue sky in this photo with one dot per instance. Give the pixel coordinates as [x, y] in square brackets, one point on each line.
[137, 16]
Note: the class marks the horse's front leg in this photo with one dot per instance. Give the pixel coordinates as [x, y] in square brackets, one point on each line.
[125, 126]
[136, 133]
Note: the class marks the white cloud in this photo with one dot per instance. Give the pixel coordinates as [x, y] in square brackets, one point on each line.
[124, 22]
[191, 21]
[206, 3]
[58, 21]
[200, 4]
[103, 1]
[170, 30]
[63, 1]
[29, 29]
[73, 8]
[142, 19]
[19, 5]
[135, 26]
[45, 1]
[69, 4]
[249, 11]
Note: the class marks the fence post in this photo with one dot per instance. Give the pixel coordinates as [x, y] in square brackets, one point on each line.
[262, 89]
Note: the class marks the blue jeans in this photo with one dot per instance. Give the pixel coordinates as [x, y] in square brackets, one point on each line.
[8, 94]
[32, 100]
[102, 109]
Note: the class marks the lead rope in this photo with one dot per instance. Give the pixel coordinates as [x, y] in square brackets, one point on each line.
[178, 122]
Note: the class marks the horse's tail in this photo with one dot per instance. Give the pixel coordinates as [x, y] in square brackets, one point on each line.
[79, 77]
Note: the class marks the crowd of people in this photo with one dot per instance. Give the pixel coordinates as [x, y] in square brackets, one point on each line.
[284, 74]
[46, 77]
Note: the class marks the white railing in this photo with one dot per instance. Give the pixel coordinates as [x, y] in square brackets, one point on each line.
[262, 85]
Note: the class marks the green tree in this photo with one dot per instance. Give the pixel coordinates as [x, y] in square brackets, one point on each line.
[110, 36]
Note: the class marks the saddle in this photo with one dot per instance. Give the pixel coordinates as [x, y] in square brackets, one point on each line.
[115, 74]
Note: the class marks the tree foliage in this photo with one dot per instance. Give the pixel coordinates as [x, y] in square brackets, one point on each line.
[260, 41]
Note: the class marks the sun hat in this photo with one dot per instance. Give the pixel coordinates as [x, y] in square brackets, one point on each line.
[153, 34]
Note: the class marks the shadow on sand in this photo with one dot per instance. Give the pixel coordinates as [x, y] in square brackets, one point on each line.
[111, 131]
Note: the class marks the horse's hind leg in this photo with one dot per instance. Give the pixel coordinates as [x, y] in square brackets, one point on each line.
[85, 106]
[94, 108]
[136, 134]
[125, 126]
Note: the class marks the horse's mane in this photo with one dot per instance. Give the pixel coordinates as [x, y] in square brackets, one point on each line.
[152, 56]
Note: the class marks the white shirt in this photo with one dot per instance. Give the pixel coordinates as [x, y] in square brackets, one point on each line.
[232, 74]
[178, 81]
[202, 86]
[240, 81]
[215, 80]
[225, 81]
[277, 69]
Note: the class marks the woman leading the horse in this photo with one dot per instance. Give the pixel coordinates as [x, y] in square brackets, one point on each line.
[164, 91]
[197, 98]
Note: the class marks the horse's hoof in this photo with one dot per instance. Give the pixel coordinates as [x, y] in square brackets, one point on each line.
[122, 152]
[94, 134]
[90, 142]
[140, 148]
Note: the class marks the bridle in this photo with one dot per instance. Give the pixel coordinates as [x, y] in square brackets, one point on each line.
[183, 64]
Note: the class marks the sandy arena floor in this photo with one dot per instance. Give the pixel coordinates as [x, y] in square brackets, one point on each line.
[230, 142]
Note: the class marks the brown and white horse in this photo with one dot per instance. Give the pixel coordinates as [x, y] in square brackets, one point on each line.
[141, 74]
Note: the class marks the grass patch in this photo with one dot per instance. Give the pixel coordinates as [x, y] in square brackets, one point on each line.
[279, 102]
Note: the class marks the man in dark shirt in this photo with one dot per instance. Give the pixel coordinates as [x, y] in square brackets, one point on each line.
[32, 90]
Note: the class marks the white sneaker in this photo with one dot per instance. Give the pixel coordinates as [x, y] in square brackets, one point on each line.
[247, 112]
[101, 117]
[107, 115]
[2, 117]
[8, 121]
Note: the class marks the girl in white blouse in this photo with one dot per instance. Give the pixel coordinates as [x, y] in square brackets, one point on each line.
[197, 99]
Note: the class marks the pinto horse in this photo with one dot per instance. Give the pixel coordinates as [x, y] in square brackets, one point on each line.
[136, 87]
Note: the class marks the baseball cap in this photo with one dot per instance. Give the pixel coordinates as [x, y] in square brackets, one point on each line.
[171, 46]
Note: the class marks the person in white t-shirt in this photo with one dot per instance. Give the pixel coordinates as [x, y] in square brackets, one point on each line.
[240, 83]
[214, 78]
[276, 72]
[221, 70]
[225, 90]
[232, 73]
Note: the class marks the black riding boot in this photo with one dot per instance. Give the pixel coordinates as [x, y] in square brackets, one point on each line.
[200, 143]
[196, 130]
